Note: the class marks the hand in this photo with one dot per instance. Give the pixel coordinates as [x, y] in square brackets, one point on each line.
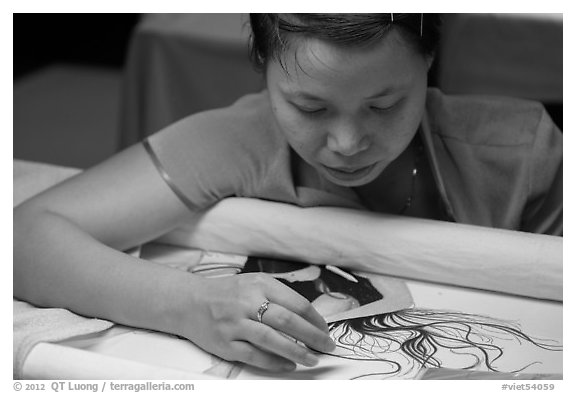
[222, 319]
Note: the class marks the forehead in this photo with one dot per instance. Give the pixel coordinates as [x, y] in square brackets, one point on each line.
[310, 63]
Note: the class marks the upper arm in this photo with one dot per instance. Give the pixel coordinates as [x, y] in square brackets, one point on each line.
[121, 202]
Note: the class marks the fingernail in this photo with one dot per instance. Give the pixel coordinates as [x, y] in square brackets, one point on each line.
[311, 360]
[288, 367]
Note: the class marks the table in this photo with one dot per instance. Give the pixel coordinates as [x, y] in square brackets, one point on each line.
[179, 64]
[126, 353]
[162, 356]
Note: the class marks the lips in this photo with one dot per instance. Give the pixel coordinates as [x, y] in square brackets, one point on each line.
[348, 173]
[349, 170]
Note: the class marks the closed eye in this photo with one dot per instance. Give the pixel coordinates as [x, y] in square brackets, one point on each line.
[382, 109]
[308, 110]
[385, 108]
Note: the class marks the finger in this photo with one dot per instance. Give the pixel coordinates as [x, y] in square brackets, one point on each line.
[255, 356]
[284, 320]
[273, 341]
[281, 294]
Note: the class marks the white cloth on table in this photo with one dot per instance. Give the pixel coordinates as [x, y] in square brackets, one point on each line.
[32, 325]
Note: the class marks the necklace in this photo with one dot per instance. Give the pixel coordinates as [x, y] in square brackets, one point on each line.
[417, 149]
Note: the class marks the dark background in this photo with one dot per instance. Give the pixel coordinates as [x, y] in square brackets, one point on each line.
[95, 39]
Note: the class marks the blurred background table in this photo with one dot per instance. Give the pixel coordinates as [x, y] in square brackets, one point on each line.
[180, 64]
[518, 55]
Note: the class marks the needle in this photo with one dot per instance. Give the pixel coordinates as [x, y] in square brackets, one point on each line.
[341, 273]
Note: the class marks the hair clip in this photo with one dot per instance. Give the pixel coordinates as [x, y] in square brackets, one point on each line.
[421, 24]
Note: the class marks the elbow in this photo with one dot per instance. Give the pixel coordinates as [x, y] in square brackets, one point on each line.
[24, 218]
[36, 233]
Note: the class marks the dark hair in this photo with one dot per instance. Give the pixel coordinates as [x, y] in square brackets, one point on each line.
[431, 339]
[361, 290]
[269, 31]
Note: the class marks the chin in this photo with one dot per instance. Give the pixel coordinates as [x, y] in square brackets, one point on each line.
[350, 183]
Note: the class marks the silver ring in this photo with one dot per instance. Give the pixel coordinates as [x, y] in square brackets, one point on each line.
[262, 310]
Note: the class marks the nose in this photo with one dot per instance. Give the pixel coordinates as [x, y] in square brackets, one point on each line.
[348, 140]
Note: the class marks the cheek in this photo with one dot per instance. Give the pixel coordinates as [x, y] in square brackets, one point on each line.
[305, 136]
[395, 132]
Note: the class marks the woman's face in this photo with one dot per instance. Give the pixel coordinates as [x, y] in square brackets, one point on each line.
[349, 112]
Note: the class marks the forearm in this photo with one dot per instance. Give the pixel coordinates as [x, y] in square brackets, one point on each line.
[58, 265]
[505, 261]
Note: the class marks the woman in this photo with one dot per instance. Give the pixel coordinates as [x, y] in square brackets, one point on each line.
[346, 120]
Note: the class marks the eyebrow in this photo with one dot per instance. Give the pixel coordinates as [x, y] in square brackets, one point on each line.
[311, 97]
[301, 95]
[388, 90]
